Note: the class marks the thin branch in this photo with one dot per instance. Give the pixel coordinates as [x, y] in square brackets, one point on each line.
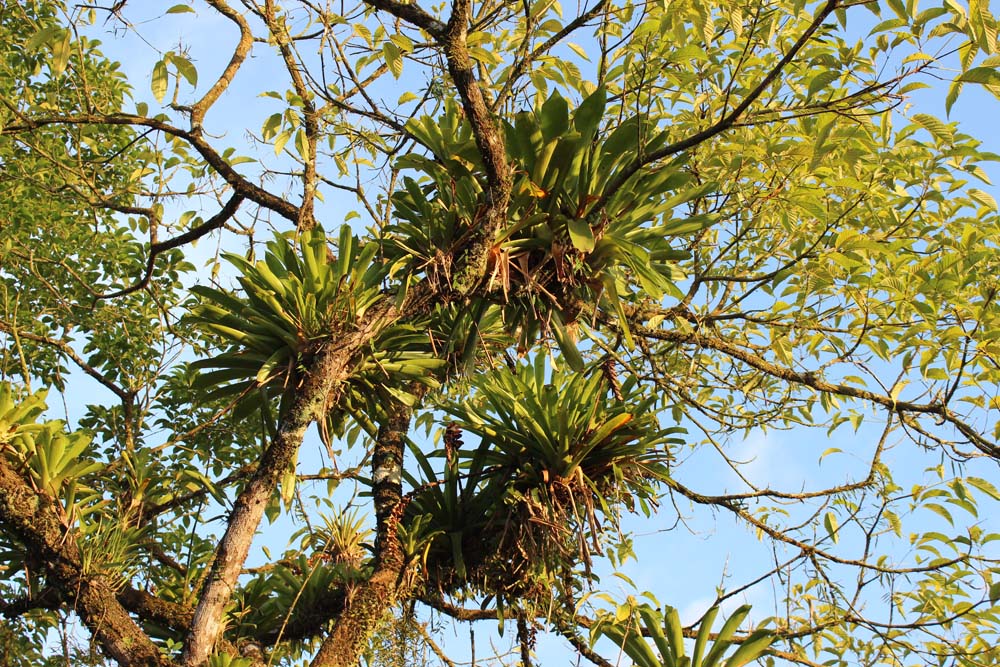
[310, 119]
[222, 166]
[70, 354]
[441, 655]
[813, 381]
[726, 121]
[213, 223]
[520, 65]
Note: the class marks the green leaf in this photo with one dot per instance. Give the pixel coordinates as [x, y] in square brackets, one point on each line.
[160, 80]
[830, 523]
[954, 90]
[724, 639]
[822, 80]
[653, 620]
[186, 69]
[61, 50]
[271, 126]
[580, 234]
[578, 50]
[982, 75]
[690, 194]
[751, 648]
[690, 225]
[704, 631]
[588, 115]
[940, 511]
[554, 117]
[276, 360]
[983, 198]
[393, 58]
[302, 143]
[935, 126]
[984, 486]
[281, 140]
[830, 450]
[288, 480]
[674, 631]
[566, 343]
[43, 36]
[180, 9]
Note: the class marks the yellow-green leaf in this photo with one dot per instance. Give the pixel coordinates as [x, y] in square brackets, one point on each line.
[186, 68]
[830, 523]
[160, 80]
[60, 54]
[393, 58]
[580, 234]
[281, 140]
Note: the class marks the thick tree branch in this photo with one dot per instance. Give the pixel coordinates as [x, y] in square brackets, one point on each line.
[412, 13]
[49, 597]
[456, 612]
[367, 609]
[151, 608]
[201, 107]
[318, 392]
[31, 517]
[331, 366]
[489, 140]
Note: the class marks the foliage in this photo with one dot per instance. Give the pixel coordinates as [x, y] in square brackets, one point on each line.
[667, 634]
[581, 257]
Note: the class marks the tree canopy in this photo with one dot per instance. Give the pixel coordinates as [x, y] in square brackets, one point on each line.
[363, 317]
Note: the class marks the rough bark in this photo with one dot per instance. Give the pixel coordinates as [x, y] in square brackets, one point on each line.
[388, 583]
[490, 142]
[240, 53]
[31, 517]
[330, 367]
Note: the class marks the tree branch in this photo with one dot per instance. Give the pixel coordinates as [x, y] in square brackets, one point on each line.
[213, 223]
[30, 516]
[70, 354]
[240, 185]
[200, 108]
[518, 68]
[490, 142]
[310, 120]
[412, 13]
[366, 610]
[726, 121]
[813, 381]
[320, 386]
